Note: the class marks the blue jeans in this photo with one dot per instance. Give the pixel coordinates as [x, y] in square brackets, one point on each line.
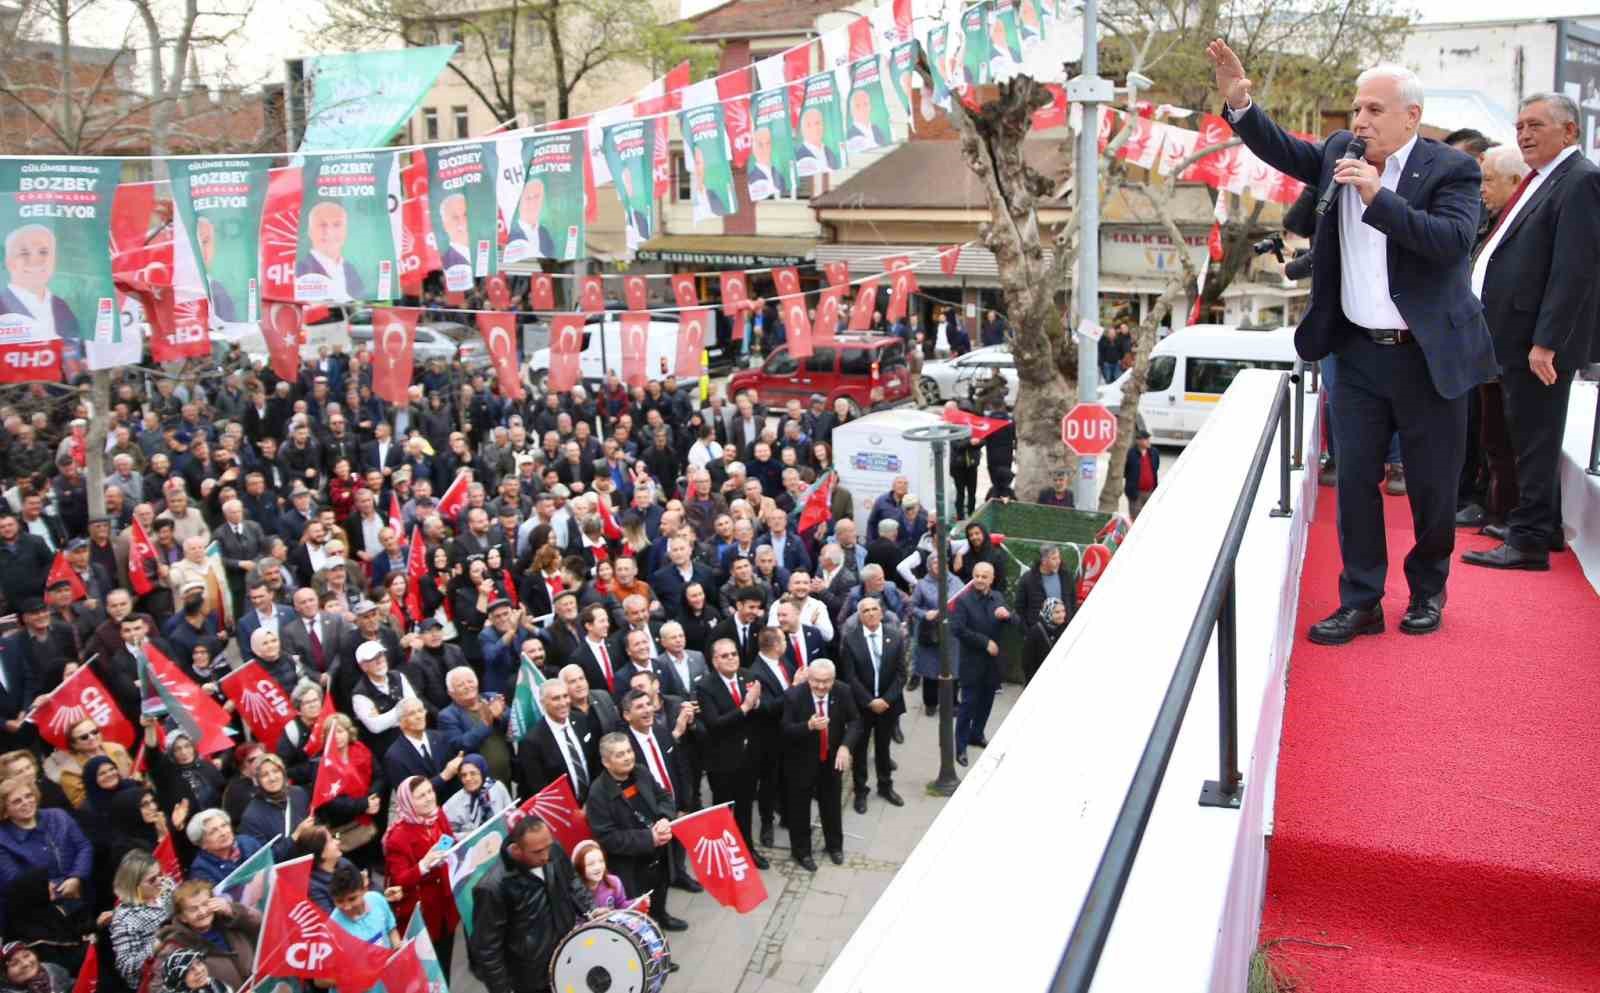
[1109, 371]
[1329, 366]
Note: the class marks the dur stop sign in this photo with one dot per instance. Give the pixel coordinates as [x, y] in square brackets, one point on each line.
[1089, 429]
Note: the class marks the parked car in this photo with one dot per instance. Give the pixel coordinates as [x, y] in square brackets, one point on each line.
[849, 367]
[953, 378]
[602, 353]
[434, 340]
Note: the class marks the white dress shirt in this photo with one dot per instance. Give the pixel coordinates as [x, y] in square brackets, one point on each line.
[874, 639]
[777, 670]
[42, 309]
[1480, 268]
[813, 613]
[1364, 254]
[561, 731]
[650, 750]
[337, 290]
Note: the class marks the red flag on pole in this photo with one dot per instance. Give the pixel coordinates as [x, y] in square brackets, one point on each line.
[81, 696]
[60, 570]
[566, 341]
[902, 283]
[818, 503]
[692, 326]
[166, 854]
[89, 975]
[333, 772]
[635, 292]
[735, 293]
[194, 710]
[395, 517]
[500, 339]
[635, 348]
[683, 290]
[542, 291]
[416, 569]
[591, 295]
[866, 303]
[281, 326]
[838, 273]
[721, 858]
[140, 554]
[455, 497]
[394, 331]
[259, 701]
[558, 807]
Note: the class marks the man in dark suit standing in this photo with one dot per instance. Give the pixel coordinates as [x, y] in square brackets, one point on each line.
[630, 819]
[980, 615]
[820, 729]
[241, 543]
[872, 653]
[728, 698]
[745, 624]
[420, 752]
[1536, 277]
[558, 745]
[1391, 297]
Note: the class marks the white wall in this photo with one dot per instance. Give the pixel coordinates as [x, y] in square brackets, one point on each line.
[1483, 57]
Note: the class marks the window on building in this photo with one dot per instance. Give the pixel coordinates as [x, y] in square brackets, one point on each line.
[535, 36]
[680, 170]
[430, 124]
[459, 114]
[502, 35]
[538, 112]
[805, 187]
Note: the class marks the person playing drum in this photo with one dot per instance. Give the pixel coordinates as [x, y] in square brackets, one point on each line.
[522, 908]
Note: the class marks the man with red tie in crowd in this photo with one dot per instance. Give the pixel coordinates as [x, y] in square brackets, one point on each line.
[820, 730]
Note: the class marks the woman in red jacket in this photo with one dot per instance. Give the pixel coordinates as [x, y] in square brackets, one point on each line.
[415, 861]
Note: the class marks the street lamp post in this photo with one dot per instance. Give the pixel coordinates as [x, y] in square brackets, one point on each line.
[1089, 90]
[940, 435]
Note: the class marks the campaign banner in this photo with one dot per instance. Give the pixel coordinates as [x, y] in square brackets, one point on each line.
[770, 171]
[821, 146]
[280, 234]
[462, 211]
[220, 202]
[363, 99]
[975, 45]
[56, 220]
[733, 89]
[869, 113]
[1031, 22]
[943, 64]
[345, 249]
[628, 149]
[181, 331]
[707, 154]
[419, 255]
[903, 70]
[542, 198]
[1005, 41]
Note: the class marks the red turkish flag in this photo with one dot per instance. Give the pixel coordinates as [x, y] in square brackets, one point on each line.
[792, 305]
[498, 291]
[455, 496]
[500, 338]
[902, 283]
[1214, 242]
[557, 807]
[419, 252]
[692, 327]
[334, 773]
[81, 696]
[1212, 169]
[591, 295]
[394, 331]
[838, 273]
[59, 570]
[542, 291]
[166, 854]
[866, 304]
[982, 427]
[141, 236]
[796, 67]
[280, 233]
[35, 362]
[299, 939]
[187, 334]
[683, 290]
[566, 342]
[416, 569]
[404, 971]
[636, 292]
[635, 348]
[735, 294]
[721, 858]
[861, 38]
[140, 555]
[949, 258]
[733, 89]
[281, 328]
[259, 701]
[395, 517]
[826, 327]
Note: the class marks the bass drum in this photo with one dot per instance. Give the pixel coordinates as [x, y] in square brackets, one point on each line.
[622, 952]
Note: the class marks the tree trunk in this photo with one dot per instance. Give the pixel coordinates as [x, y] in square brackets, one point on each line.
[1039, 449]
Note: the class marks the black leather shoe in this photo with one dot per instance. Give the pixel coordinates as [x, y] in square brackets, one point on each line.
[894, 766]
[670, 923]
[1496, 531]
[890, 797]
[1509, 557]
[961, 758]
[836, 857]
[1422, 615]
[807, 863]
[914, 683]
[688, 885]
[1471, 516]
[861, 801]
[979, 742]
[899, 736]
[1346, 624]
[766, 836]
[759, 860]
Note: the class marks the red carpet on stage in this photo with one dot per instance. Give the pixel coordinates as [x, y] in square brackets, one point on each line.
[1437, 825]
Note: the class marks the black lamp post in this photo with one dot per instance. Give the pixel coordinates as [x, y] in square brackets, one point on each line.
[941, 435]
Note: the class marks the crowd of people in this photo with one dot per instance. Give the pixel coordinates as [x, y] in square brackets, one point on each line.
[639, 549]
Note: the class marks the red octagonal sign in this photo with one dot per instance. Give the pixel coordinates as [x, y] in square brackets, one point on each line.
[1089, 429]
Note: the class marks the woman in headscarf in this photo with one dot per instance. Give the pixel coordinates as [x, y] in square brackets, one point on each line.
[186, 972]
[479, 799]
[434, 586]
[1042, 635]
[102, 783]
[222, 931]
[925, 615]
[471, 592]
[415, 861]
[278, 808]
[181, 773]
[24, 973]
[84, 742]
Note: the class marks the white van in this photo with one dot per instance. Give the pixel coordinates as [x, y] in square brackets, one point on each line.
[661, 346]
[1190, 369]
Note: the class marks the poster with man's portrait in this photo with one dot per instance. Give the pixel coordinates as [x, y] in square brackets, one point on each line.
[820, 149]
[707, 153]
[867, 124]
[903, 71]
[346, 248]
[629, 150]
[541, 197]
[219, 202]
[463, 212]
[975, 45]
[55, 217]
[770, 170]
[1005, 41]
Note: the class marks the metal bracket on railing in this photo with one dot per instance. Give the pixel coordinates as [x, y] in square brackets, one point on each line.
[1282, 509]
[1298, 381]
[1228, 789]
[1594, 439]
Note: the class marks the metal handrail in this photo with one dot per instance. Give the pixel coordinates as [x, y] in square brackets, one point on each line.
[1216, 612]
[1594, 438]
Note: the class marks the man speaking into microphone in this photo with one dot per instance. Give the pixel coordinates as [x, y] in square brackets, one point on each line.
[1391, 298]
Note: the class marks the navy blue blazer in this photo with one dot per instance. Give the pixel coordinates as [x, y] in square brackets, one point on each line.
[1431, 221]
[248, 622]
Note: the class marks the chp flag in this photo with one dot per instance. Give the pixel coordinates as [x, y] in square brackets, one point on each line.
[259, 700]
[298, 938]
[81, 696]
[721, 857]
[196, 713]
[558, 807]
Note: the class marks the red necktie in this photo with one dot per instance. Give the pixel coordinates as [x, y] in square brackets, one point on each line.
[733, 689]
[605, 662]
[822, 750]
[661, 766]
[799, 656]
[1505, 211]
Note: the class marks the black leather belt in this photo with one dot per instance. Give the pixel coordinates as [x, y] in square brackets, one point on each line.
[1390, 336]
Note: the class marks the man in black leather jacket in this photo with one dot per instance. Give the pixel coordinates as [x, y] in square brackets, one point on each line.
[522, 907]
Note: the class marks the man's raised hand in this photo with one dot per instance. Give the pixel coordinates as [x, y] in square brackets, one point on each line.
[1231, 80]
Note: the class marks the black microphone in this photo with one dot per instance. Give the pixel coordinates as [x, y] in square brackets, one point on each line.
[1355, 150]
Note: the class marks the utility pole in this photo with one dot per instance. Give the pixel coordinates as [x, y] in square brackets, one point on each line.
[1088, 90]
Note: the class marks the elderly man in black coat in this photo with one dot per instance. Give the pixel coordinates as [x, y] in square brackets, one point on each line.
[980, 618]
[630, 818]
